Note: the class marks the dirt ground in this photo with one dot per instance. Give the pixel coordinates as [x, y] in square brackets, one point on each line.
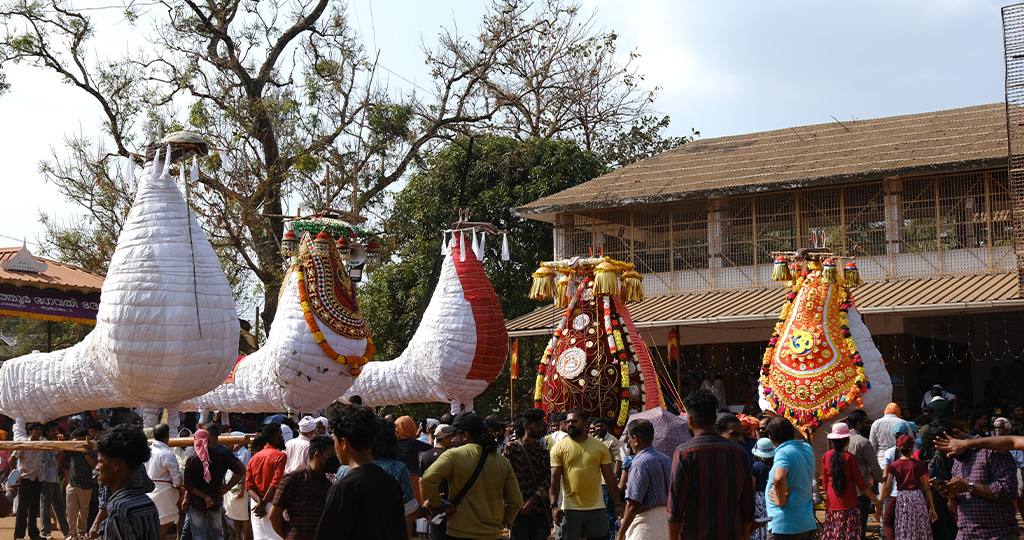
[7, 528]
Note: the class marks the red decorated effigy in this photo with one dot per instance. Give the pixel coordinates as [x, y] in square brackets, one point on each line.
[596, 359]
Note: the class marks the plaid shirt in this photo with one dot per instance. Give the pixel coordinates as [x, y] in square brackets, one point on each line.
[980, 518]
[711, 490]
[535, 480]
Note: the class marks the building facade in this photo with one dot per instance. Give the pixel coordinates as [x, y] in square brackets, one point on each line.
[920, 201]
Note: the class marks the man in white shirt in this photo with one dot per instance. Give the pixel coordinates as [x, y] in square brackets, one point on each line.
[937, 392]
[297, 449]
[881, 436]
[163, 469]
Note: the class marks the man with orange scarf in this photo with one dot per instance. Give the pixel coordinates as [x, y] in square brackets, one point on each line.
[409, 448]
[881, 436]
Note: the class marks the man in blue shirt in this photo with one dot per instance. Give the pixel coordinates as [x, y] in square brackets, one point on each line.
[789, 500]
[647, 487]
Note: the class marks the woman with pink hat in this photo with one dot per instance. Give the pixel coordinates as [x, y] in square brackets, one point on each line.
[841, 477]
[913, 516]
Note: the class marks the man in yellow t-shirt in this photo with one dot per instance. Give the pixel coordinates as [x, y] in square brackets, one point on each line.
[578, 462]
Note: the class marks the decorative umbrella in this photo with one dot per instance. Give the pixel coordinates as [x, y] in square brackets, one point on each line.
[670, 430]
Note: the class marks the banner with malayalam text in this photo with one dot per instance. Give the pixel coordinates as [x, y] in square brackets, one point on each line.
[49, 304]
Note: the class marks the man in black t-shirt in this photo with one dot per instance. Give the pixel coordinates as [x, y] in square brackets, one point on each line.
[204, 481]
[367, 502]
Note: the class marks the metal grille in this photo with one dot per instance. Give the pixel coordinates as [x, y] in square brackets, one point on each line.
[1013, 45]
[955, 224]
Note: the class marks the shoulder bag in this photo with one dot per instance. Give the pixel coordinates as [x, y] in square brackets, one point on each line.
[440, 518]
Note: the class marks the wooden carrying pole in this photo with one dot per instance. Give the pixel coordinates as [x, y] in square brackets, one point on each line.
[87, 446]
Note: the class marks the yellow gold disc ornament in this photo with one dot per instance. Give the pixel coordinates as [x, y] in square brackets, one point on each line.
[811, 369]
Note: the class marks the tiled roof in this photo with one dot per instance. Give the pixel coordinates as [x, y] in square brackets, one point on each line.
[905, 296]
[64, 277]
[843, 151]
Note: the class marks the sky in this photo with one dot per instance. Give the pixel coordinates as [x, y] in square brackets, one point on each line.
[723, 68]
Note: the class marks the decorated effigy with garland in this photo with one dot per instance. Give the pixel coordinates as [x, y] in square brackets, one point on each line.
[812, 368]
[596, 360]
[319, 342]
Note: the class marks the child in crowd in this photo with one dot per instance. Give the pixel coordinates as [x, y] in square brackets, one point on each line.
[764, 455]
[911, 477]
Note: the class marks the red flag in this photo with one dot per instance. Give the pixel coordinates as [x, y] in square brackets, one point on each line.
[515, 359]
[673, 346]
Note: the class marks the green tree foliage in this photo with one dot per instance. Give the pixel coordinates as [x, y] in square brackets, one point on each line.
[503, 173]
[287, 90]
[642, 140]
[34, 335]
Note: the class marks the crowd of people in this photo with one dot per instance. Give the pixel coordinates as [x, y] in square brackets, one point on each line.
[357, 475]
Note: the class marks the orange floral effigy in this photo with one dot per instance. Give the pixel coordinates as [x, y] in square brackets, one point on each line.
[811, 370]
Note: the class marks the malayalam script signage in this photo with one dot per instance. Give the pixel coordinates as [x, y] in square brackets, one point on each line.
[49, 304]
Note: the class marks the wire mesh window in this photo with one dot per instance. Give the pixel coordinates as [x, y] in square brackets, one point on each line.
[922, 226]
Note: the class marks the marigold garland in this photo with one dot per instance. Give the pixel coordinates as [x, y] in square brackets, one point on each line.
[355, 363]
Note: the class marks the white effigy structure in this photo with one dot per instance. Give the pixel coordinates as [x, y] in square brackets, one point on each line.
[316, 347]
[458, 349]
[166, 331]
[319, 348]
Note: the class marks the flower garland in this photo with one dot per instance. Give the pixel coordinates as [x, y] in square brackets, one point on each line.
[355, 363]
[811, 420]
[611, 330]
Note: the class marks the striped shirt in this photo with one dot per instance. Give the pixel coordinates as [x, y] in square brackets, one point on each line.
[303, 494]
[711, 490]
[131, 515]
[648, 478]
[140, 483]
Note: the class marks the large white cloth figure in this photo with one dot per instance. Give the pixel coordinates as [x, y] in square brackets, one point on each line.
[300, 367]
[166, 331]
[458, 349]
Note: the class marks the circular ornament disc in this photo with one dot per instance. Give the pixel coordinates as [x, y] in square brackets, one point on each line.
[571, 362]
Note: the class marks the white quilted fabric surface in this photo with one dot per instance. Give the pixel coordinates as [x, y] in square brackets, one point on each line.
[150, 347]
[439, 356]
[290, 371]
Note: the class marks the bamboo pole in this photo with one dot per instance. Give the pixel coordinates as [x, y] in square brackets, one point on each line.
[182, 442]
[89, 446]
[67, 446]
